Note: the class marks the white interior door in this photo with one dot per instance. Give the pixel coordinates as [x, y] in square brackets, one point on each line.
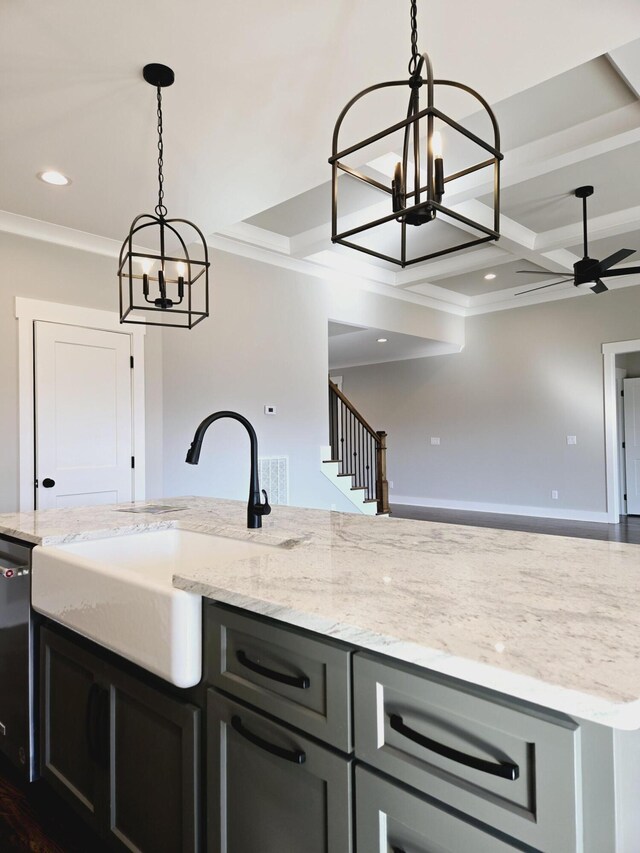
[622, 470]
[83, 416]
[632, 443]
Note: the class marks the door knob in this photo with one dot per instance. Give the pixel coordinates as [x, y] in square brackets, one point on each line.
[48, 483]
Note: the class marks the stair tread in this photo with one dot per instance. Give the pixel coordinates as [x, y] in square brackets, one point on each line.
[325, 461]
[346, 475]
[358, 488]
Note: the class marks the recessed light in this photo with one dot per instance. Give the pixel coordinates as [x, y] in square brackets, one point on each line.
[490, 276]
[382, 340]
[55, 178]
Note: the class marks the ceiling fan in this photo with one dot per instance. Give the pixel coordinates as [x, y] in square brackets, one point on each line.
[588, 270]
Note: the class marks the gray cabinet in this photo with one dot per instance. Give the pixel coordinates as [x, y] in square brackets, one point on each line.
[290, 674]
[124, 754]
[271, 790]
[69, 760]
[391, 818]
[502, 764]
[154, 769]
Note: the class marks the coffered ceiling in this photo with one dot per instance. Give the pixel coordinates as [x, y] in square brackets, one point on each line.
[580, 127]
[258, 88]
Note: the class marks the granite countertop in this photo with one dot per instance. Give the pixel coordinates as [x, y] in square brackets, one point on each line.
[552, 620]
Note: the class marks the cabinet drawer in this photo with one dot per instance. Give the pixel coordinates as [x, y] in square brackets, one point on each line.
[510, 768]
[270, 790]
[303, 681]
[390, 818]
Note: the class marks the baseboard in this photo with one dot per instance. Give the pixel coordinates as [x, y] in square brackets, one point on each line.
[503, 509]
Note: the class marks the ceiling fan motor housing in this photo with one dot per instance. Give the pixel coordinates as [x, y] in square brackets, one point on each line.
[586, 271]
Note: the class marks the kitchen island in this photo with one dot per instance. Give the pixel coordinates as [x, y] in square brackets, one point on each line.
[540, 627]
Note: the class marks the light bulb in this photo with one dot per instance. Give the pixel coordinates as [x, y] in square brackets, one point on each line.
[147, 263]
[436, 144]
[180, 269]
[52, 177]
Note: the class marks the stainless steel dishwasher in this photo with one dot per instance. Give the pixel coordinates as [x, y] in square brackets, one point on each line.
[16, 657]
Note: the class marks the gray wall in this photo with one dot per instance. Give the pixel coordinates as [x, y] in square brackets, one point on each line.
[503, 407]
[631, 363]
[266, 343]
[39, 270]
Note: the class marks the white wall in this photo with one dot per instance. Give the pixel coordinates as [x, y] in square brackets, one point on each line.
[266, 343]
[40, 270]
[503, 407]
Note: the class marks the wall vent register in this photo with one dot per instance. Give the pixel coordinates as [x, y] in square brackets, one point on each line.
[274, 476]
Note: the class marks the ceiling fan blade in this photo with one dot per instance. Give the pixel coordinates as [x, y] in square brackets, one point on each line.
[542, 272]
[623, 271]
[542, 286]
[614, 259]
[599, 287]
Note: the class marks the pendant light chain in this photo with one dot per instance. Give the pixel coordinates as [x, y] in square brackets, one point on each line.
[161, 210]
[415, 55]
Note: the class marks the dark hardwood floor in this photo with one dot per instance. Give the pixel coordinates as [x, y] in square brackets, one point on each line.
[34, 820]
[627, 531]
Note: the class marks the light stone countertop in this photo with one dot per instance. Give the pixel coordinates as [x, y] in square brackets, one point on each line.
[549, 619]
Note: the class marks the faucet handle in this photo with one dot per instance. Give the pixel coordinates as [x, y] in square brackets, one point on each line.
[263, 509]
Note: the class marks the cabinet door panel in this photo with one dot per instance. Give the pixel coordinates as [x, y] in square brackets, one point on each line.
[154, 782]
[266, 802]
[248, 658]
[459, 747]
[389, 818]
[68, 682]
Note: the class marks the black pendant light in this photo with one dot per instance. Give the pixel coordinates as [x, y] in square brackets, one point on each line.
[416, 192]
[169, 284]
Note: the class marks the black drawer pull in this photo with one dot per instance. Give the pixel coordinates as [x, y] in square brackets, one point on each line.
[505, 769]
[301, 681]
[296, 756]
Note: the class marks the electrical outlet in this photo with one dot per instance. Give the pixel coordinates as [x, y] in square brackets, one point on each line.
[435, 439]
[572, 439]
[554, 495]
[390, 483]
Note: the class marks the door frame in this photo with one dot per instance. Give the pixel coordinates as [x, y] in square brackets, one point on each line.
[27, 311]
[612, 461]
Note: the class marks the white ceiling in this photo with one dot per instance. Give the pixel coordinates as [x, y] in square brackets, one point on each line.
[350, 346]
[258, 88]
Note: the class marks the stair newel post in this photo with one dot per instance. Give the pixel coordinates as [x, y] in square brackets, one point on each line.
[382, 486]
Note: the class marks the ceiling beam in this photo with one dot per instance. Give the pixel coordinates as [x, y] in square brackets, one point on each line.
[609, 225]
[626, 61]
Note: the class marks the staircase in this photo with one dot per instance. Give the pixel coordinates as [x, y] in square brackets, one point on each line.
[356, 459]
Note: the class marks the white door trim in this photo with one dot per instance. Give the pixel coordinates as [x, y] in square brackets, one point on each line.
[612, 462]
[27, 312]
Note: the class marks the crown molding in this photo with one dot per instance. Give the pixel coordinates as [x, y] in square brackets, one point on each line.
[37, 229]
[273, 251]
[224, 243]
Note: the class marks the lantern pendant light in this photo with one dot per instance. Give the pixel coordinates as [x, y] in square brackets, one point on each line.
[418, 189]
[167, 285]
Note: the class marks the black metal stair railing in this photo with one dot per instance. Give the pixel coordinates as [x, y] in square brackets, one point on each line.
[360, 450]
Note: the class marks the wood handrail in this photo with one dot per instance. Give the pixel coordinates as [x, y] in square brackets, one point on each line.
[354, 411]
[364, 448]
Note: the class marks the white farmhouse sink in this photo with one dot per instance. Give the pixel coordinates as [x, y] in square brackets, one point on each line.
[118, 592]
